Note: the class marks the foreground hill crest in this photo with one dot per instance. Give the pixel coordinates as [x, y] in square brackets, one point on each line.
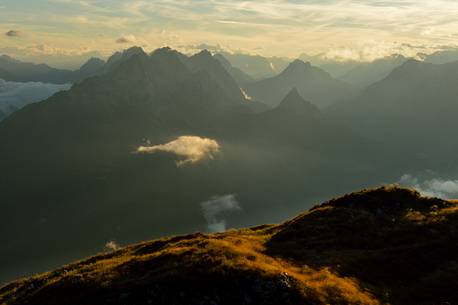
[385, 245]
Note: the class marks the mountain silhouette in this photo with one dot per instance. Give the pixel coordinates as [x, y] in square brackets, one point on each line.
[313, 84]
[256, 66]
[238, 75]
[404, 107]
[17, 71]
[365, 74]
[294, 103]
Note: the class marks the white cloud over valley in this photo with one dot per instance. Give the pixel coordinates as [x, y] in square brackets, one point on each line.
[190, 149]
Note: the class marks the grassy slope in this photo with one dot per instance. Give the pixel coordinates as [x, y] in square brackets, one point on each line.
[387, 245]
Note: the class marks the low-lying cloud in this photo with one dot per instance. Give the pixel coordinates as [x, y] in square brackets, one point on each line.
[191, 149]
[435, 187]
[214, 210]
[13, 33]
[126, 39]
[112, 246]
[15, 95]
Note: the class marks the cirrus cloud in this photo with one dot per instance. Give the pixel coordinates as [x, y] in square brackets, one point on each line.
[342, 29]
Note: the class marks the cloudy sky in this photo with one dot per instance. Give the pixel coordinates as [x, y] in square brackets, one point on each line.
[57, 30]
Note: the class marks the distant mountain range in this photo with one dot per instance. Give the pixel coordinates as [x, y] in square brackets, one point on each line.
[244, 68]
[379, 246]
[365, 74]
[258, 67]
[441, 57]
[312, 83]
[238, 75]
[415, 104]
[17, 71]
[202, 137]
[83, 167]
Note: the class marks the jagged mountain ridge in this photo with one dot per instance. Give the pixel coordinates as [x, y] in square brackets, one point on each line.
[380, 246]
[17, 71]
[256, 66]
[313, 84]
[83, 142]
[237, 74]
[404, 107]
[365, 74]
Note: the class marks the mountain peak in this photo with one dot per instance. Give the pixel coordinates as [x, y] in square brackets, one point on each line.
[205, 53]
[92, 63]
[9, 59]
[392, 199]
[5, 57]
[409, 69]
[164, 50]
[294, 102]
[203, 56]
[203, 59]
[298, 63]
[293, 95]
[133, 51]
[118, 57]
[297, 68]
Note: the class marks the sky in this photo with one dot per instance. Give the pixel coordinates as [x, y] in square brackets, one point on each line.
[64, 32]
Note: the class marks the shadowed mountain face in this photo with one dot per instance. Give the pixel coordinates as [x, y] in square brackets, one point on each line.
[85, 166]
[358, 74]
[379, 246]
[294, 103]
[204, 61]
[405, 107]
[256, 66]
[442, 57]
[365, 74]
[312, 83]
[238, 75]
[17, 71]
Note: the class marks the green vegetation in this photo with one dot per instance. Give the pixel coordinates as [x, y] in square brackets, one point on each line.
[387, 245]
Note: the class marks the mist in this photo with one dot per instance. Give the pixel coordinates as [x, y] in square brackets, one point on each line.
[15, 95]
[215, 209]
[433, 187]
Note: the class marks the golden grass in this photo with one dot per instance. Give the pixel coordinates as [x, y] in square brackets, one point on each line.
[242, 251]
[239, 254]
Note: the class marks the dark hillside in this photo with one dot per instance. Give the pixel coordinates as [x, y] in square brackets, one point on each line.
[386, 245]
